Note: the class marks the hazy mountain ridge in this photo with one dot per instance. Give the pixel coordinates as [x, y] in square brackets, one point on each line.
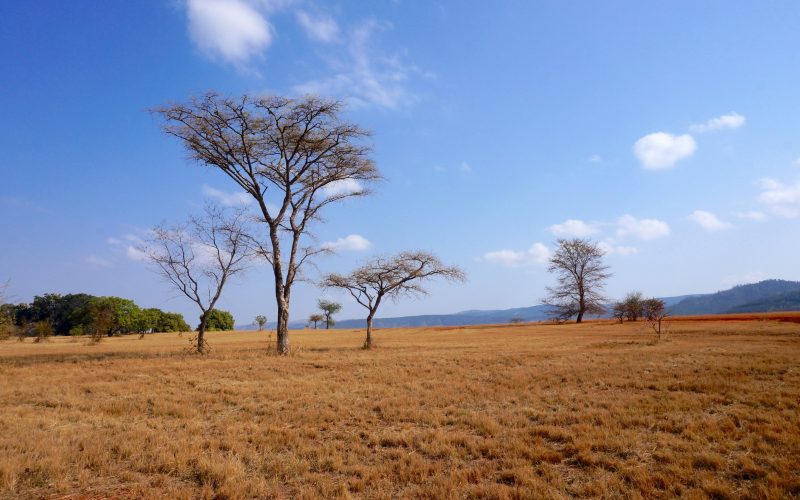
[764, 296]
[756, 297]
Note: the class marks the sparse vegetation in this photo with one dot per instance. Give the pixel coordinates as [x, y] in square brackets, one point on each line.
[531, 411]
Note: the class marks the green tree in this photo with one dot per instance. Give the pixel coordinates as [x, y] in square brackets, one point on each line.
[328, 309]
[172, 322]
[219, 320]
[261, 320]
[113, 316]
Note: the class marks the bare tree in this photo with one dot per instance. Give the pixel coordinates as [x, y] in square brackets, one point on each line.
[293, 156]
[580, 276]
[200, 257]
[394, 277]
[655, 312]
[619, 311]
[634, 306]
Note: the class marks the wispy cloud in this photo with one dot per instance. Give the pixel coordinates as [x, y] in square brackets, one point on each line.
[754, 215]
[611, 249]
[709, 221]
[94, 260]
[781, 199]
[595, 159]
[574, 228]
[643, 229]
[350, 243]
[465, 167]
[731, 120]
[662, 150]
[233, 199]
[365, 76]
[320, 28]
[232, 31]
[537, 254]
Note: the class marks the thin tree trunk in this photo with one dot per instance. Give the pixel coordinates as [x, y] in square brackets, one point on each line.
[580, 317]
[368, 342]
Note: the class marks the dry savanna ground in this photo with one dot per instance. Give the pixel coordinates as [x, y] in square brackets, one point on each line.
[531, 411]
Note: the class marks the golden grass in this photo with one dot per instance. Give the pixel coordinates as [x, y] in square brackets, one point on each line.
[533, 411]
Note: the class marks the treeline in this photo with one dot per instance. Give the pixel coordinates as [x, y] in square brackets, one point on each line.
[84, 314]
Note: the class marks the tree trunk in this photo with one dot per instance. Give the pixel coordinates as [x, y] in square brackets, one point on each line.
[580, 317]
[201, 332]
[368, 342]
[282, 329]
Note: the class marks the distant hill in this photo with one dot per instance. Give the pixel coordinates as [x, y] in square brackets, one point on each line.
[726, 301]
[765, 296]
[783, 302]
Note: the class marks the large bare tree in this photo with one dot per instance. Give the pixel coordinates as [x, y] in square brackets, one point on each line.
[397, 276]
[580, 278]
[200, 257]
[293, 156]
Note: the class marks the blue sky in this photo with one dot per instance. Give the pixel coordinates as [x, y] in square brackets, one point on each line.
[667, 131]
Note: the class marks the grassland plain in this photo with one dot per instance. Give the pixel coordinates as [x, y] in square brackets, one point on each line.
[531, 411]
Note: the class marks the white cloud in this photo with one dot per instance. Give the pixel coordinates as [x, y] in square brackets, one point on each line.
[609, 248]
[782, 199]
[538, 253]
[644, 229]
[364, 76]
[96, 261]
[229, 30]
[465, 167]
[573, 228]
[136, 254]
[661, 150]
[753, 215]
[321, 29]
[350, 243]
[344, 186]
[234, 199]
[731, 120]
[709, 221]
[595, 159]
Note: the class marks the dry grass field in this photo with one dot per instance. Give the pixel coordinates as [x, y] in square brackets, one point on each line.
[530, 411]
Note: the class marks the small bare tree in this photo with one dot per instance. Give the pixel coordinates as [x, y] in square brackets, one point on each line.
[655, 312]
[619, 311]
[293, 156]
[394, 277]
[200, 257]
[580, 277]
